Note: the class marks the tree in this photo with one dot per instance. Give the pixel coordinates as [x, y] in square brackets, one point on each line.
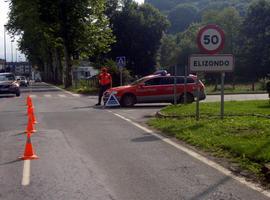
[66, 27]
[187, 43]
[256, 37]
[168, 52]
[182, 16]
[138, 30]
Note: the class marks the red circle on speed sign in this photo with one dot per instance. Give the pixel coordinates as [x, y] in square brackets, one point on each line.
[211, 39]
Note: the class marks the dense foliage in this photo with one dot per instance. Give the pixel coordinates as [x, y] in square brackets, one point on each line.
[54, 31]
[138, 31]
[182, 13]
[247, 38]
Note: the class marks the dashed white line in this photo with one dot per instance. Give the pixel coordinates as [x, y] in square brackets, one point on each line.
[48, 95]
[62, 95]
[26, 173]
[75, 95]
[33, 96]
[199, 157]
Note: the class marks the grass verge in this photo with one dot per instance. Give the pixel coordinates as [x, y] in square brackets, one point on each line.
[241, 136]
[238, 89]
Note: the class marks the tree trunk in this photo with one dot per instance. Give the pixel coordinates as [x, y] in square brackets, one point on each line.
[67, 68]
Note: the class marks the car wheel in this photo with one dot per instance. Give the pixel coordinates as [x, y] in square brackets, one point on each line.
[128, 100]
[18, 94]
[190, 98]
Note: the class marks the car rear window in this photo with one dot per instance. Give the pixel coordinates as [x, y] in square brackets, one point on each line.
[190, 80]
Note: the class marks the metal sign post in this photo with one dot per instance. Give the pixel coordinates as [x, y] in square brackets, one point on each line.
[174, 87]
[222, 96]
[121, 76]
[121, 63]
[197, 99]
[185, 86]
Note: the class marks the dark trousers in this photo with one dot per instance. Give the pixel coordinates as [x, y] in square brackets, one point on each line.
[102, 89]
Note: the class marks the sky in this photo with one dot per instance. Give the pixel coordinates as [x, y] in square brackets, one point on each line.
[4, 9]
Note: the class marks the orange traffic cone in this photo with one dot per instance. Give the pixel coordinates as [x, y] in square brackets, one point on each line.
[29, 108]
[32, 113]
[30, 126]
[28, 151]
[27, 100]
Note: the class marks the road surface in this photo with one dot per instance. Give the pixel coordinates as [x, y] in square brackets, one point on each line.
[87, 152]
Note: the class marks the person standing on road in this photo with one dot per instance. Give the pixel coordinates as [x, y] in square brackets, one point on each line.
[105, 82]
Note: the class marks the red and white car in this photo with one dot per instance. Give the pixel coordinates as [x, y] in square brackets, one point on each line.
[156, 89]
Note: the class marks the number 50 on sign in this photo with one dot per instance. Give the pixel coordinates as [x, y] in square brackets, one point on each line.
[211, 39]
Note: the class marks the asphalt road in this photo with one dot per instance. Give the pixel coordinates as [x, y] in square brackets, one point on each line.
[88, 152]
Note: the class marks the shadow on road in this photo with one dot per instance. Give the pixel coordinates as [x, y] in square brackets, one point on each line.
[18, 134]
[10, 162]
[6, 96]
[211, 189]
[78, 108]
[136, 107]
[146, 138]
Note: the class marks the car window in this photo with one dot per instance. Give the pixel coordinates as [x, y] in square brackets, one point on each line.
[167, 81]
[154, 81]
[7, 77]
[190, 80]
[141, 80]
[22, 78]
[180, 80]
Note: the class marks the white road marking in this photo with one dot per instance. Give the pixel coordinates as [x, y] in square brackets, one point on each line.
[48, 95]
[62, 95]
[199, 157]
[33, 96]
[73, 94]
[26, 173]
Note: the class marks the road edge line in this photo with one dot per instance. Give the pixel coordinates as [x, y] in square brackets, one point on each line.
[199, 157]
[71, 93]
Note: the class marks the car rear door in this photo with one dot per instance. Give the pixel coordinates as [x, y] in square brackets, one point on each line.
[167, 89]
[150, 91]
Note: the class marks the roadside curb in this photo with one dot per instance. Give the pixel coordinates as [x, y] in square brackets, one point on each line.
[231, 93]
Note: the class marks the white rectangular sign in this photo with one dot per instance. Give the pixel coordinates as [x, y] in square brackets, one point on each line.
[211, 63]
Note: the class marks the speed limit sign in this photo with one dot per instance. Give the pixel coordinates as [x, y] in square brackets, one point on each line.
[211, 39]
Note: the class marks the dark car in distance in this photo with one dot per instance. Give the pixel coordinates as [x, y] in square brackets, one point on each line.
[8, 84]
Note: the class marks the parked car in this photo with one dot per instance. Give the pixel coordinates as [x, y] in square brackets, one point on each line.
[8, 84]
[156, 89]
[22, 81]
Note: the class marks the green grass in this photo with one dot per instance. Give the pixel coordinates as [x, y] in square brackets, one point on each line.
[239, 88]
[245, 139]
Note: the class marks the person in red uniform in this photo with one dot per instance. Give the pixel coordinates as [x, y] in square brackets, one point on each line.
[105, 82]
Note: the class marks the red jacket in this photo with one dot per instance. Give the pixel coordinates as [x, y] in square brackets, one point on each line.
[104, 78]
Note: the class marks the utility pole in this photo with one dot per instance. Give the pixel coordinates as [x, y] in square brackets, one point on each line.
[5, 47]
[11, 43]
